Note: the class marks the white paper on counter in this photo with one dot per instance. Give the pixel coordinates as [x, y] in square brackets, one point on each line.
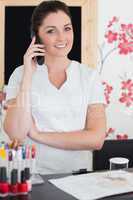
[96, 185]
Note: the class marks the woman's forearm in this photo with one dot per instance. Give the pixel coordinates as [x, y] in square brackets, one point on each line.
[90, 138]
[18, 116]
[75, 140]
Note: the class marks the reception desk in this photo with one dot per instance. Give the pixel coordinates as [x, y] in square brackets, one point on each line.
[47, 191]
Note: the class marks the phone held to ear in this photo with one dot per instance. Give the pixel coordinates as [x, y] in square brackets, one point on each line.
[39, 59]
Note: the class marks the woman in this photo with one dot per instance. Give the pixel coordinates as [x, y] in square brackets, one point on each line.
[59, 104]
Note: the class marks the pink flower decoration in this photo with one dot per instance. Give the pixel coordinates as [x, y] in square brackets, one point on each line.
[122, 136]
[127, 92]
[109, 88]
[111, 37]
[126, 27]
[126, 98]
[127, 85]
[110, 131]
[107, 91]
[111, 22]
[122, 37]
[125, 47]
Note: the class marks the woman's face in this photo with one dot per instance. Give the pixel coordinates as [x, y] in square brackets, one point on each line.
[56, 33]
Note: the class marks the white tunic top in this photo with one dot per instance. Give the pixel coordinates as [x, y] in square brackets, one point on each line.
[61, 110]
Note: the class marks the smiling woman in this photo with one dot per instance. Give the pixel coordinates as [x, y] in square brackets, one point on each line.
[59, 103]
[13, 34]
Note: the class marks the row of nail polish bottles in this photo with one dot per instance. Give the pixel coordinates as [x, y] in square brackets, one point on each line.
[14, 187]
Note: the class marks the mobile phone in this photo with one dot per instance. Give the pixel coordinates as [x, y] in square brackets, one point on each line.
[39, 59]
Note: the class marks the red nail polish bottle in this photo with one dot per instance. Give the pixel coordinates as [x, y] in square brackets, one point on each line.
[23, 187]
[14, 182]
[28, 180]
[4, 187]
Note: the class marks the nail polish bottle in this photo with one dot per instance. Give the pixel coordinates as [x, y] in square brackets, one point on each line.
[4, 187]
[23, 187]
[10, 165]
[28, 180]
[33, 159]
[14, 182]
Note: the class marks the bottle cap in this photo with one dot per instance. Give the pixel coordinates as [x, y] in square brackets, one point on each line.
[23, 179]
[27, 173]
[3, 174]
[14, 176]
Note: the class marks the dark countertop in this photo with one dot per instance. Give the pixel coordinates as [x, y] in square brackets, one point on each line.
[47, 191]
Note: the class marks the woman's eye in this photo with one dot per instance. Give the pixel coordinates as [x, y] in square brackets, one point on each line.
[67, 28]
[50, 31]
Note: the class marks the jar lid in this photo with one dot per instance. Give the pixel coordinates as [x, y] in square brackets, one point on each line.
[119, 160]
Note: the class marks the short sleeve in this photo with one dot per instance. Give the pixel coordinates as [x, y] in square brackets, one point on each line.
[14, 83]
[96, 89]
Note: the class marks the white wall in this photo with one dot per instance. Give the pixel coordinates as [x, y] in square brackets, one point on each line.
[116, 67]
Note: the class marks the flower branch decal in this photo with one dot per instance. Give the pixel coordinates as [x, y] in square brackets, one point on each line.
[118, 36]
[127, 92]
[126, 39]
[110, 131]
[107, 91]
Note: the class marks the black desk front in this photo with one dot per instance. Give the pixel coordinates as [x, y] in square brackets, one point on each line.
[47, 191]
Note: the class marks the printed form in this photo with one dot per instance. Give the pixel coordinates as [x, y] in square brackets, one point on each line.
[96, 185]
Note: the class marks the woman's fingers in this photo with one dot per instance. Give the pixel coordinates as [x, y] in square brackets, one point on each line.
[32, 41]
[30, 56]
[36, 54]
[35, 49]
[14, 144]
[36, 45]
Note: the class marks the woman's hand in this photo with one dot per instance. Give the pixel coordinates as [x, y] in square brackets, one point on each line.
[15, 143]
[30, 56]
